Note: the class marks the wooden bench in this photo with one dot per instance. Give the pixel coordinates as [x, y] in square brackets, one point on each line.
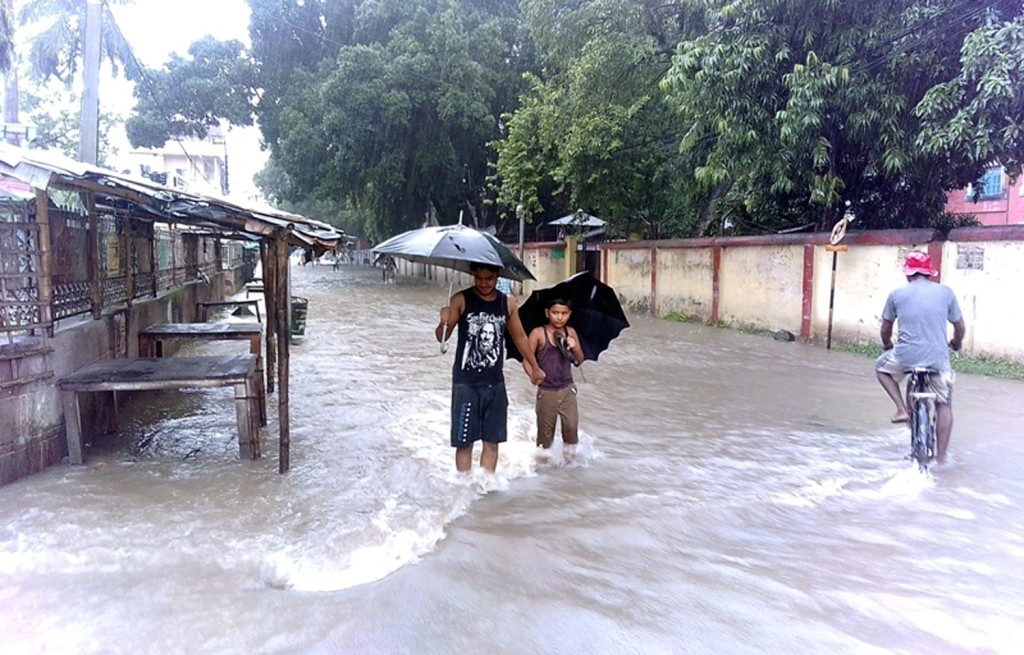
[253, 288]
[152, 338]
[136, 374]
[201, 307]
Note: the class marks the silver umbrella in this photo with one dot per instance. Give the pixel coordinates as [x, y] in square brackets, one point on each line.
[455, 247]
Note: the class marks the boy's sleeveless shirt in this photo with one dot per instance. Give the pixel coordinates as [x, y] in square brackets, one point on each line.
[480, 354]
[555, 364]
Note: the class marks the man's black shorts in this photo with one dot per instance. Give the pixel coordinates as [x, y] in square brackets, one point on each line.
[479, 412]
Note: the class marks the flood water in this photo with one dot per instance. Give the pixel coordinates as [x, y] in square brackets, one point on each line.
[732, 494]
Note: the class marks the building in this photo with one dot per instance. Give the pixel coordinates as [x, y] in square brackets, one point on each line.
[193, 165]
[993, 200]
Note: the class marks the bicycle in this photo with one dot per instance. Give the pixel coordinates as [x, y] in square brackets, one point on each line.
[921, 409]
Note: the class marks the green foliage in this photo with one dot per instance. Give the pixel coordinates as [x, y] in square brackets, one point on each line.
[397, 123]
[593, 130]
[191, 95]
[807, 109]
[55, 111]
[6, 35]
[980, 112]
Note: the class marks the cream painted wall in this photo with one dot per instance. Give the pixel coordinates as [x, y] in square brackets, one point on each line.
[684, 282]
[629, 273]
[762, 286]
[991, 298]
[864, 277]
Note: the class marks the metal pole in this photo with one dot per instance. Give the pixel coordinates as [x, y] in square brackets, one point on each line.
[831, 301]
[89, 145]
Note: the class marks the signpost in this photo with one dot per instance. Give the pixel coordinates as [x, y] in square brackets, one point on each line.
[834, 247]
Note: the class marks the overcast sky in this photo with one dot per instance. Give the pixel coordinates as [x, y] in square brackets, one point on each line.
[155, 29]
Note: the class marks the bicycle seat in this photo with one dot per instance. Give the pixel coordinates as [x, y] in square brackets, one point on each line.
[922, 369]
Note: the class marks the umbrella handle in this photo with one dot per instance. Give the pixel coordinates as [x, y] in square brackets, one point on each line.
[444, 335]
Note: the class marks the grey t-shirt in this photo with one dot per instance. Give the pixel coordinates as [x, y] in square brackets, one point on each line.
[923, 308]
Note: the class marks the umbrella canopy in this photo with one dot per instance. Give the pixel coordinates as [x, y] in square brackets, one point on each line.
[579, 218]
[455, 247]
[596, 315]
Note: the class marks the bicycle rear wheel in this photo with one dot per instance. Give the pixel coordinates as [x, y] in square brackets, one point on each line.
[921, 434]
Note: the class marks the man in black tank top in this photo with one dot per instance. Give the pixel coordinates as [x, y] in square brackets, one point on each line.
[482, 315]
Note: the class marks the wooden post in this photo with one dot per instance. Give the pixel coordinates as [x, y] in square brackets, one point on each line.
[129, 283]
[283, 342]
[94, 259]
[154, 266]
[269, 264]
[45, 262]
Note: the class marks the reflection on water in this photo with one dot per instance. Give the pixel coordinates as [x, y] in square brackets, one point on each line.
[731, 494]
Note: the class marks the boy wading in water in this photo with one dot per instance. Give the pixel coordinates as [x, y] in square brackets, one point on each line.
[556, 347]
[482, 315]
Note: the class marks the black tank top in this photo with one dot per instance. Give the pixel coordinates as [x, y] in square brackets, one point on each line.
[480, 354]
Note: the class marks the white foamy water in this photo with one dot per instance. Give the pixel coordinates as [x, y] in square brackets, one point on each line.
[730, 494]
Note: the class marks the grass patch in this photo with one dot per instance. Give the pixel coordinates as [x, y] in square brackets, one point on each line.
[973, 365]
[676, 317]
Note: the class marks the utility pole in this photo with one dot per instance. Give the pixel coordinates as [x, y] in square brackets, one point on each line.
[89, 146]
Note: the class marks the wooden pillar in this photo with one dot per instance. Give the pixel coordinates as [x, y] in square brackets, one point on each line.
[283, 342]
[45, 262]
[154, 265]
[807, 293]
[94, 259]
[269, 263]
[716, 281]
[129, 283]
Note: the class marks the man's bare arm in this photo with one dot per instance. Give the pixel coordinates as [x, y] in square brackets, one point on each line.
[886, 334]
[515, 329]
[450, 315]
[959, 330]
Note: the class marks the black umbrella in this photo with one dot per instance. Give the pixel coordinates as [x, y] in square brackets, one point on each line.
[596, 315]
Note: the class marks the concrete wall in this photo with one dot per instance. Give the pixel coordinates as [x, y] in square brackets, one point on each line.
[785, 282]
[32, 433]
[987, 276]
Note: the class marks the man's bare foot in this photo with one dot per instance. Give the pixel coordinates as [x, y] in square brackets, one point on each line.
[569, 451]
[902, 417]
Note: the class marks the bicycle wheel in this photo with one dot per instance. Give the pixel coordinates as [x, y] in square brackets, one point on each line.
[921, 433]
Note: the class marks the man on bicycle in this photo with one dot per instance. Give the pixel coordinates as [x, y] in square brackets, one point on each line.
[923, 308]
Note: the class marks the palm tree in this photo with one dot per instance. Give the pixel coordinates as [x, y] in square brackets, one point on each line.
[56, 51]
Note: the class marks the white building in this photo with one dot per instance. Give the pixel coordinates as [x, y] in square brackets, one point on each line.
[197, 166]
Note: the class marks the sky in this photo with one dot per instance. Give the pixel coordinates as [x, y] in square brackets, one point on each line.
[155, 29]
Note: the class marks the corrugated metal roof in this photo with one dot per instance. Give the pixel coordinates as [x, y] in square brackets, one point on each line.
[45, 170]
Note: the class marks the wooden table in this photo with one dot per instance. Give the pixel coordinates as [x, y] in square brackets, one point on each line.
[151, 341]
[134, 374]
[201, 307]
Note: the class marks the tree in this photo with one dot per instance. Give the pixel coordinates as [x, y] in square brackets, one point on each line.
[191, 95]
[979, 114]
[398, 122]
[806, 108]
[55, 113]
[56, 50]
[594, 131]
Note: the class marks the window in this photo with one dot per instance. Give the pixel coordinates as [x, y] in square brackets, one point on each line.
[988, 186]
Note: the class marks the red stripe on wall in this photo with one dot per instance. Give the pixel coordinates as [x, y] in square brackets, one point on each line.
[604, 265]
[716, 265]
[654, 281]
[935, 252]
[807, 293]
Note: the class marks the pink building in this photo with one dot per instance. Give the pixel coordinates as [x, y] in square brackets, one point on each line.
[992, 200]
